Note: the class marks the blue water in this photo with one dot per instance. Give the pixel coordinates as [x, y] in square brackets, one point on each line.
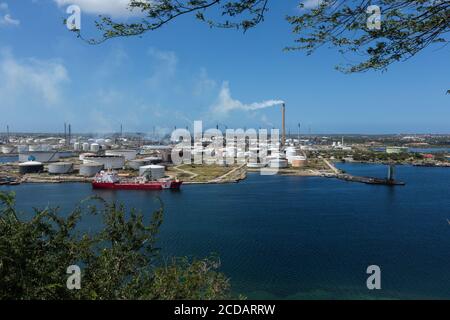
[4, 159]
[419, 150]
[302, 237]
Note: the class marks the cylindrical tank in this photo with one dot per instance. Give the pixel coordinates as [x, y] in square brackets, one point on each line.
[85, 146]
[298, 161]
[40, 156]
[35, 147]
[292, 158]
[60, 168]
[90, 169]
[95, 147]
[76, 146]
[128, 154]
[137, 163]
[290, 152]
[31, 167]
[153, 160]
[157, 172]
[8, 149]
[22, 148]
[109, 162]
[83, 155]
[46, 147]
[278, 163]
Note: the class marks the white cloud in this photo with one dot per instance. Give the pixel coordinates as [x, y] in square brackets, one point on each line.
[225, 103]
[29, 77]
[7, 19]
[115, 8]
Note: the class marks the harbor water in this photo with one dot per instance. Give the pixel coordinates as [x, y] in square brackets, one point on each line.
[287, 237]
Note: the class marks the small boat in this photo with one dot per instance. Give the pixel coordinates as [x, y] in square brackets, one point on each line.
[110, 180]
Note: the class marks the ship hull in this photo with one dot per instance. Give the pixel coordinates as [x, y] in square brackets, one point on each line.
[173, 185]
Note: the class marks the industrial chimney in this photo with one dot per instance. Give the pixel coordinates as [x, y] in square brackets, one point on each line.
[283, 124]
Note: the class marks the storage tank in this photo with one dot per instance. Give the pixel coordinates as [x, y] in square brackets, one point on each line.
[298, 162]
[60, 168]
[95, 147]
[76, 146]
[40, 156]
[22, 148]
[153, 160]
[46, 147]
[35, 147]
[85, 146]
[137, 163]
[83, 155]
[157, 172]
[8, 149]
[128, 154]
[109, 162]
[90, 169]
[31, 167]
[278, 163]
[290, 152]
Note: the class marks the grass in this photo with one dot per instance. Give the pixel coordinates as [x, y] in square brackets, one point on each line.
[203, 173]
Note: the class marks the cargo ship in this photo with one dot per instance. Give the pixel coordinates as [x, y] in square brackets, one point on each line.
[110, 180]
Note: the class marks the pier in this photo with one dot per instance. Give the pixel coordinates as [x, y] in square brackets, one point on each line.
[389, 181]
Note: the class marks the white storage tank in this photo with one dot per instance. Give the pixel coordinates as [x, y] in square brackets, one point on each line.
[90, 169]
[291, 159]
[31, 167]
[41, 156]
[76, 146]
[109, 162]
[128, 154]
[137, 163]
[153, 160]
[8, 149]
[46, 147]
[22, 148]
[291, 152]
[83, 155]
[85, 146]
[278, 163]
[95, 147]
[35, 147]
[60, 168]
[157, 172]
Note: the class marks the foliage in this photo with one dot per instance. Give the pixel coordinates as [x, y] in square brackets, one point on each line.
[242, 14]
[408, 26]
[120, 261]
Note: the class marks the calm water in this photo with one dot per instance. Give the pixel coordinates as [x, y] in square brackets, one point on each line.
[302, 237]
[419, 150]
[4, 159]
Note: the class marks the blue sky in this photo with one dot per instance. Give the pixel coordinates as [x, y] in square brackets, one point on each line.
[187, 71]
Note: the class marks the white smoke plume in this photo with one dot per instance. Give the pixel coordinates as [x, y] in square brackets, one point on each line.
[225, 103]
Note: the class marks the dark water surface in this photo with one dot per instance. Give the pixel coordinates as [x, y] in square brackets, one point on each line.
[301, 237]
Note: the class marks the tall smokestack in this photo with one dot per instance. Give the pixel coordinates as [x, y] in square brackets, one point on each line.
[70, 134]
[283, 124]
[65, 134]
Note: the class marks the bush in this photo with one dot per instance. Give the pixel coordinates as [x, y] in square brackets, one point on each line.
[121, 261]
